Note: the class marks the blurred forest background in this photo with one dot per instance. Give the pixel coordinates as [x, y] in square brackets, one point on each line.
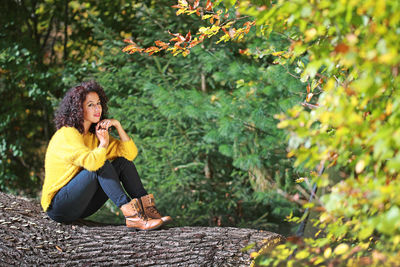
[209, 148]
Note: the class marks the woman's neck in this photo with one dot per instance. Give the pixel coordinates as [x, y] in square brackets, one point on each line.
[86, 127]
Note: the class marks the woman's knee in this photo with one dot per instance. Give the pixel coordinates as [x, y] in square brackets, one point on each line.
[107, 167]
[120, 160]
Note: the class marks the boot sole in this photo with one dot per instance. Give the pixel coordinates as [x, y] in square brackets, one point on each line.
[133, 229]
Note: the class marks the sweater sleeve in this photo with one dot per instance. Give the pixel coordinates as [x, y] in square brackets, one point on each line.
[77, 153]
[118, 148]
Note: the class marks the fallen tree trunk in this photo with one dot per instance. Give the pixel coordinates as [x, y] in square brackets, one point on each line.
[29, 237]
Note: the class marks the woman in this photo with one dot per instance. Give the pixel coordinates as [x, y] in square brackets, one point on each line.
[85, 166]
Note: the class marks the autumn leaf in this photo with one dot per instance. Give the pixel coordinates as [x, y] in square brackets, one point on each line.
[196, 4]
[178, 38]
[244, 51]
[129, 41]
[132, 48]
[309, 96]
[341, 48]
[180, 11]
[194, 43]
[152, 49]
[276, 54]
[206, 16]
[209, 5]
[188, 37]
[162, 44]
[186, 52]
[341, 249]
[232, 32]
[128, 48]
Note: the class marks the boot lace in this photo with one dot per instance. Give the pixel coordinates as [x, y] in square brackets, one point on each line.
[153, 209]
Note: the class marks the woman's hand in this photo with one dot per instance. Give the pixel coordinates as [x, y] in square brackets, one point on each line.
[107, 123]
[102, 135]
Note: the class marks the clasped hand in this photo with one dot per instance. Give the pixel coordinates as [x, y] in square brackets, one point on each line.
[102, 131]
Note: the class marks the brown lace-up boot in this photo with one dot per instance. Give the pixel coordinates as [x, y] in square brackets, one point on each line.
[149, 207]
[136, 218]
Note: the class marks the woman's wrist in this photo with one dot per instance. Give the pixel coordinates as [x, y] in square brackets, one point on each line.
[103, 145]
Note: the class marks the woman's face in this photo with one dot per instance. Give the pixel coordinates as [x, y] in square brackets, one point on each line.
[92, 108]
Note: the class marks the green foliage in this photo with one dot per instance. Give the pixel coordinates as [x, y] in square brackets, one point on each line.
[353, 47]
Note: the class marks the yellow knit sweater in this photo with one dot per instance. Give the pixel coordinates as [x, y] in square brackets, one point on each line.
[69, 152]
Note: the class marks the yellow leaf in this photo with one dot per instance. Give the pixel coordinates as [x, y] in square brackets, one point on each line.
[283, 124]
[360, 166]
[310, 34]
[254, 255]
[389, 107]
[186, 52]
[327, 253]
[206, 16]
[302, 254]
[277, 53]
[341, 249]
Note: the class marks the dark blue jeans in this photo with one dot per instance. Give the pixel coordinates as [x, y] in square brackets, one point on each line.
[88, 191]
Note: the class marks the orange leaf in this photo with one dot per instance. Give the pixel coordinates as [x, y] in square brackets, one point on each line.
[341, 48]
[308, 88]
[209, 5]
[196, 4]
[128, 48]
[194, 43]
[244, 51]
[128, 41]
[188, 37]
[151, 50]
[177, 46]
[132, 49]
[309, 96]
[161, 44]
[178, 37]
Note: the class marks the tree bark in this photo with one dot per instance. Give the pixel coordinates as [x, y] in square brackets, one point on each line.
[28, 237]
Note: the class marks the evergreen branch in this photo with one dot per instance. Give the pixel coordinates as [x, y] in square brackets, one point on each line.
[188, 165]
[287, 37]
[308, 105]
[234, 20]
[248, 125]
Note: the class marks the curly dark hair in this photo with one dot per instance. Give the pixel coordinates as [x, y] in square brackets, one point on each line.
[70, 111]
